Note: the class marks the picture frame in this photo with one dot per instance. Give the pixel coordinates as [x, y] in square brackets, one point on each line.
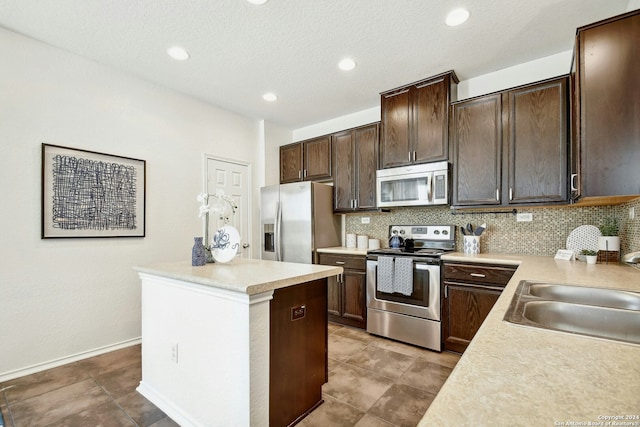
[91, 194]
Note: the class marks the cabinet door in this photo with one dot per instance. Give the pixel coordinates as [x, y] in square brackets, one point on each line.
[290, 163]
[297, 351]
[430, 121]
[317, 159]
[609, 90]
[333, 296]
[464, 310]
[366, 164]
[354, 307]
[538, 143]
[395, 142]
[476, 142]
[343, 171]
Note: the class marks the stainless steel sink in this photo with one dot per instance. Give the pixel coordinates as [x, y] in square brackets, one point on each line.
[583, 295]
[597, 312]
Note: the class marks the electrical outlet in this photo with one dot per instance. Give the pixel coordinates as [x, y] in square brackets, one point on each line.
[174, 352]
[524, 217]
[365, 220]
[632, 212]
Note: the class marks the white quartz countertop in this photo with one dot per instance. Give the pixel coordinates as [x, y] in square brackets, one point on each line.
[342, 250]
[248, 276]
[513, 375]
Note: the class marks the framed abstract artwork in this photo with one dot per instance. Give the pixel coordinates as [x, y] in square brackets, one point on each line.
[90, 194]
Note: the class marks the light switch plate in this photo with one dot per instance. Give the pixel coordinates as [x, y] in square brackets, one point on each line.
[365, 220]
[524, 217]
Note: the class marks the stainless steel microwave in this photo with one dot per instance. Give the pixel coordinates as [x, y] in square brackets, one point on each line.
[415, 185]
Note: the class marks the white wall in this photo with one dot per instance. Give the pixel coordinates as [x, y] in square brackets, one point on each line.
[528, 72]
[65, 298]
[274, 137]
[348, 121]
[633, 5]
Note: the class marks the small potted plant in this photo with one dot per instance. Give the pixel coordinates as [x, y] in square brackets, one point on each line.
[609, 241]
[590, 256]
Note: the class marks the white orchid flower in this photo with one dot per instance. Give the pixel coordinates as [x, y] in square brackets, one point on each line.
[202, 197]
[204, 209]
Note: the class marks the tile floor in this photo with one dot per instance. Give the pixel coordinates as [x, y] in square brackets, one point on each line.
[372, 382]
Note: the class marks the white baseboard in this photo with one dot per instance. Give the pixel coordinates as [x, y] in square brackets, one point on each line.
[166, 405]
[6, 376]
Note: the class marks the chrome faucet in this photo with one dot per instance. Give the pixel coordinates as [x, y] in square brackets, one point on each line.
[632, 258]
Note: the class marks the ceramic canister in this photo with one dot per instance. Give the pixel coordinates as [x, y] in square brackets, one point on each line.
[363, 241]
[374, 243]
[471, 245]
[351, 240]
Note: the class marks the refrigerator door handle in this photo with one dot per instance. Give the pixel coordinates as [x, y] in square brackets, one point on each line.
[276, 232]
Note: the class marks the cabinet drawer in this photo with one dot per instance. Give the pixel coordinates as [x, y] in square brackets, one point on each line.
[353, 262]
[486, 274]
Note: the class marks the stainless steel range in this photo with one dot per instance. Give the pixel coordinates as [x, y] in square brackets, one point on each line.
[403, 284]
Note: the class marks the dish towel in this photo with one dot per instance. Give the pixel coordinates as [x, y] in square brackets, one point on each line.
[403, 276]
[385, 274]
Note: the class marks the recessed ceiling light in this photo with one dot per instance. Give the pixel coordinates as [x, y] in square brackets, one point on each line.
[457, 17]
[258, 2]
[178, 53]
[347, 64]
[270, 97]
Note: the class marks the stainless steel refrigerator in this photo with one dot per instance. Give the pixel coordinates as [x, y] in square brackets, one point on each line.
[296, 219]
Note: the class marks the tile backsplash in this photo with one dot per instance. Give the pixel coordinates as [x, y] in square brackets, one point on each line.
[543, 236]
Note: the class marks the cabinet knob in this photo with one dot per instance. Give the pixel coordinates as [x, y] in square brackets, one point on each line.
[477, 275]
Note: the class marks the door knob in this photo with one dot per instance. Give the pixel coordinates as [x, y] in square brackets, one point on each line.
[245, 245]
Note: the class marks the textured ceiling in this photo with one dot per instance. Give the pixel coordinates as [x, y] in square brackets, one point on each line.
[291, 47]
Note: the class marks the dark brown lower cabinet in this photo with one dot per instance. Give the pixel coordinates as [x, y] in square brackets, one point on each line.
[347, 292]
[469, 292]
[298, 351]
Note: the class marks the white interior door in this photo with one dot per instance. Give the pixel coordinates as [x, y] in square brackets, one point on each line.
[233, 179]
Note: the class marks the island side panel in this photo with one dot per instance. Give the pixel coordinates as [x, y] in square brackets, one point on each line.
[298, 351]
[205, 360]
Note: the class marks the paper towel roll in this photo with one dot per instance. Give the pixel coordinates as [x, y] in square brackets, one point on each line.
[363, 241]
[374, 243]
[351, 240]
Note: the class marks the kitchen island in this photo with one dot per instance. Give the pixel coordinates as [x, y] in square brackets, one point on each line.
[221, 340]
[515, 375]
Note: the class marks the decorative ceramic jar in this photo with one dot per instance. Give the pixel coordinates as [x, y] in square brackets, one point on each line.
[198, 255]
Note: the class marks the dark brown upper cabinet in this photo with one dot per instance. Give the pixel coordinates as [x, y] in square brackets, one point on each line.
[606, 154]
[355, 161]
[476, 149]
[308, 160]
[415, 121]
[538, 142]
[510, 147]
